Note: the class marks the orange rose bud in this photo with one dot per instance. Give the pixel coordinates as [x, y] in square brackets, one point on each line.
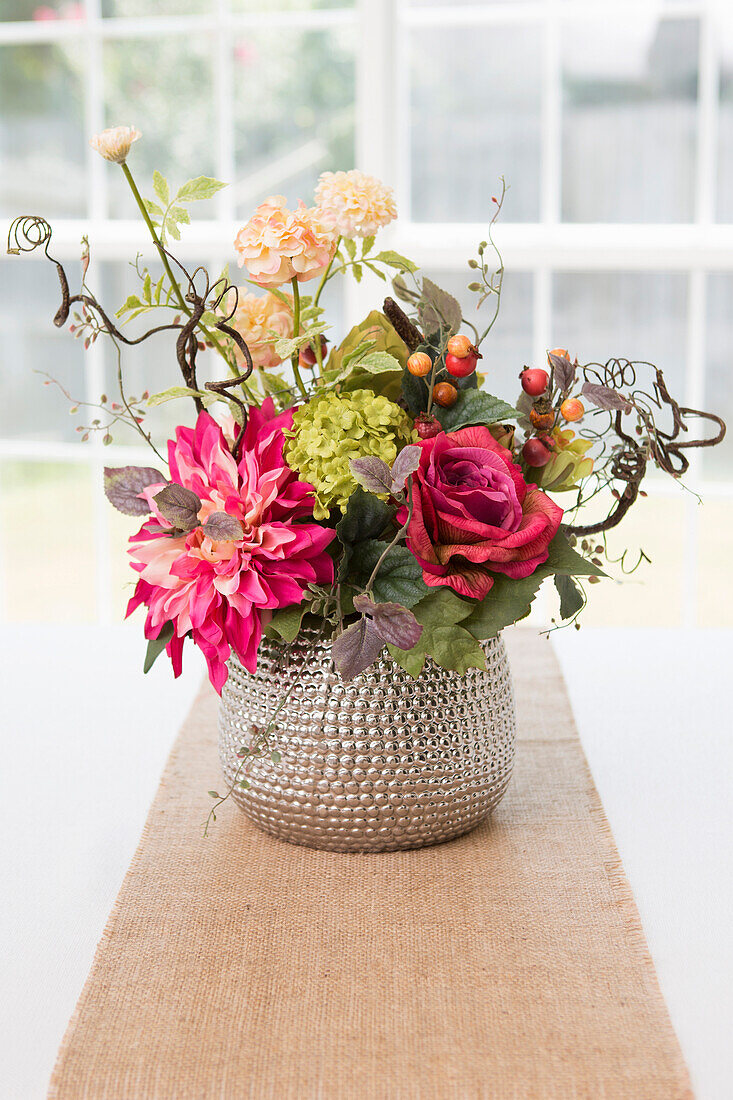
[445, 395]
[572, 409]
[420, 364]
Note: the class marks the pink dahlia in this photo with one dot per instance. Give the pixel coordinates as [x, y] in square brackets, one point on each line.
[219, 591]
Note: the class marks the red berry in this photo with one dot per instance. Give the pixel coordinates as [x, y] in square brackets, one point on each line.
[460, 346]
[420, 364]
[445, 395]
[535, 453]
[460, 367]
[307, 354]
[534, 381]
[427, 426]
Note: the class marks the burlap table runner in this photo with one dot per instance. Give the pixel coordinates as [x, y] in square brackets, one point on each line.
[507, 964]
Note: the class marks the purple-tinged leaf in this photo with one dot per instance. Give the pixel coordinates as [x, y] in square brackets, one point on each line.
[605, 398]
[356, 649]
[372, 473]
[224, 527]
[393, 623]
[564, 370]
[123, 484]
[179, 506]
[404, 465]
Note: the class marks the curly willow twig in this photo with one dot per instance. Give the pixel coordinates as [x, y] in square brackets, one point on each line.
[628, 459]
[29, 232]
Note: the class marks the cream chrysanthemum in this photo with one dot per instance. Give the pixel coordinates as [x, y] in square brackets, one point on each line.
[277, 244]
[255, 319]
[355, 204]
[114, 144]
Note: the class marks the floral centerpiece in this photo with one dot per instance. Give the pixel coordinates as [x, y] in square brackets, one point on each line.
[366, 498]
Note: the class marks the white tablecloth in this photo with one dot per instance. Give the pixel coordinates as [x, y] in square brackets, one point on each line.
[86, 737]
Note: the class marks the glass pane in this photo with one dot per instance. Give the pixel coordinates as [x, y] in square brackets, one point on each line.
[46, 12]
[629, 119]
[718, 462]
[47, 575]
[164, 88]
[470, 127]
[634, 315]
[29, 298]
[725, 132]
[293, 119]
[509, 344]
[42, 140]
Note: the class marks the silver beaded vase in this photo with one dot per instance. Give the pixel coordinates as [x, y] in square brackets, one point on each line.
[380, 763]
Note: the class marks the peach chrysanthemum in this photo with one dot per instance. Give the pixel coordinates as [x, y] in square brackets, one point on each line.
[277, 244]
[255, 319]
[114, 144]
[355, 204]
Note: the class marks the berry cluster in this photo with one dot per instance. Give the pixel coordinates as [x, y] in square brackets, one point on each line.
[537, 383]
[461, 358]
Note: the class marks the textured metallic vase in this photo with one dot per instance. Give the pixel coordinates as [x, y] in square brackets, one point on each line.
[380, 763]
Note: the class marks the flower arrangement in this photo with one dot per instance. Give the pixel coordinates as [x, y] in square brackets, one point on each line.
[373, 484]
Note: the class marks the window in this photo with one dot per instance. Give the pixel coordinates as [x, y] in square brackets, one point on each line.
[613, 125]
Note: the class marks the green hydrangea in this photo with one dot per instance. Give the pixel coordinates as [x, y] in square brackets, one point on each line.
[331, 430]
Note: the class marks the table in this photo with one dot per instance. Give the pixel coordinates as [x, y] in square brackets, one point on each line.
[86, 736]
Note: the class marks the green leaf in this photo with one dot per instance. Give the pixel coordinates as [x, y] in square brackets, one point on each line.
[158, 289]
[571, 597]
[563, 559]
[172, 393]
[147, 288]
[399, 579]
[510, 600]
[377, 271]
[160, 186]
[284, 348]
[179, 214]
[394, 259]
[350, 247]
[367, 245]
[202, 187]
[415, 392]
[157, 645]
[474, 407]
[285, 623]
[507, 602]
[376, 362]
[153, 208]
[173, 229]
[356, 271]
[131, 302]
[365, 518]
[438, 309]
[376, 329]
[450, 645]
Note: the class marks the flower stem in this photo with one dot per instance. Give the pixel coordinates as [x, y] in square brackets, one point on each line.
[395, 540]
[164, 260]
[326, 273]
[296, 333]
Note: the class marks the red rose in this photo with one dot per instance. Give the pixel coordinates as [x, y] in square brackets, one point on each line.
[474, 515]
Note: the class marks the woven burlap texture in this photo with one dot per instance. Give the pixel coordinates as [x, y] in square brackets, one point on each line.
[505, 965]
